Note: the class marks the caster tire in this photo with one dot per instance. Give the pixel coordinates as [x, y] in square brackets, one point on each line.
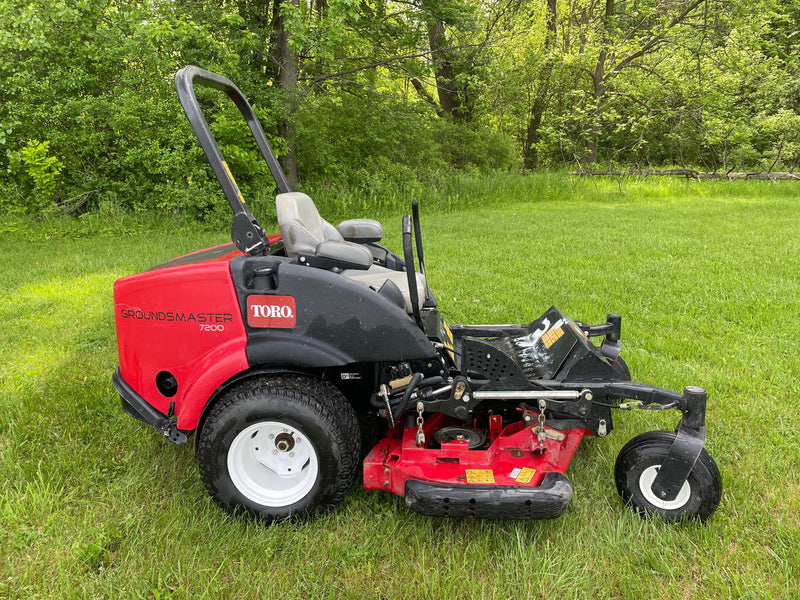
[279, 446]
[637, 466]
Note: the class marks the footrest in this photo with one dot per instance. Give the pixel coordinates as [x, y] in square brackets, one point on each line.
[545, 501]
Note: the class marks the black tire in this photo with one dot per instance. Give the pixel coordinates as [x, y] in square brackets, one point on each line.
[635, 469]
[280, 446]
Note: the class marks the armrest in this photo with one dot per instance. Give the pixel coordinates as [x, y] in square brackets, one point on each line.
[341, 255]
[361, 230]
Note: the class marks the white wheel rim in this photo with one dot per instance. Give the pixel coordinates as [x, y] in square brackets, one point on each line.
[273, 464]
[646, 486]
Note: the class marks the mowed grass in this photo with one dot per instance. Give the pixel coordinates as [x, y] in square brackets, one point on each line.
[95, 504]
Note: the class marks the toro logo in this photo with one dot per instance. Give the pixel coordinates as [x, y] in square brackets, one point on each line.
[271, 311]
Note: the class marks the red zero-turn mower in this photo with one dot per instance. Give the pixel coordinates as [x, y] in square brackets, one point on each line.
[276, 351]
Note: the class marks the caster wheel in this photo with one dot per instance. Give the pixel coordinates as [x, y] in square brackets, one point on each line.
[637, 466]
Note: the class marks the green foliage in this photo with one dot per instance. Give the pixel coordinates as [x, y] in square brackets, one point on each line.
[95, 80]
[377, 143]
[778, 138]
[339, 137]
[649, 83]
[475, 147]
[387, 92]
[43, 169]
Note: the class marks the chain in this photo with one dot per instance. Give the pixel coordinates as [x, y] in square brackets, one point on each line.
[541, 434]
[420, 421]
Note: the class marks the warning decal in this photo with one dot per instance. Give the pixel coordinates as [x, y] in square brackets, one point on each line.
[480, 476]
[552, 336]
[233, 181]
[525, 475]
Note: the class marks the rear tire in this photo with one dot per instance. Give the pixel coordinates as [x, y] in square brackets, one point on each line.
[280, 446]
[637, 466]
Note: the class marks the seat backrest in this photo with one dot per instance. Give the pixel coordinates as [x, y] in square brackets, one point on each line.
[301, 225]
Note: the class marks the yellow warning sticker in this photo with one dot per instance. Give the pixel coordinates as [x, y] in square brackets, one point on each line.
[552, 336]
[448, 339]
[480, 476]
[525, 475]
[233, 181]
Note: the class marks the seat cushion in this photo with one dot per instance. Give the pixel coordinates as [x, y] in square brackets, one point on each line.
[376, 275]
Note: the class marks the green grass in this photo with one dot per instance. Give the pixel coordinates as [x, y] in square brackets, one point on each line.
[706, 276]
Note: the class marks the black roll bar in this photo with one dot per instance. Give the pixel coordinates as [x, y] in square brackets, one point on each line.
[246, 233]
[418, 235]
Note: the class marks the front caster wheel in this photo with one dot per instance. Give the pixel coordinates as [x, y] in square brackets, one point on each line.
[279, 446]
[637, 466]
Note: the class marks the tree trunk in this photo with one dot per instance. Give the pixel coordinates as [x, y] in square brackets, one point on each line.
[257, 11]
[443, 68]
[598, 93]
[599, 86]
[287, 80]
[530, 156]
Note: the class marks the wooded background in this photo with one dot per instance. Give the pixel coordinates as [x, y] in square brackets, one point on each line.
[371, 93]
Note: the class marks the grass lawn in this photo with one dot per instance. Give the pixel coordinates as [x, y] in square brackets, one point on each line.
[706, 277]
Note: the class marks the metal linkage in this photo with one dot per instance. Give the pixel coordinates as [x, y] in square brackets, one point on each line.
[528, 395]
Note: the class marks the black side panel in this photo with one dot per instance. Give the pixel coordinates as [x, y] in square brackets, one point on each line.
[492, 360]
[334, 321]
[551, 348]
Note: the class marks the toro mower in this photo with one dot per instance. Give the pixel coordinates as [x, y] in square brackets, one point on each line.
[278, 352]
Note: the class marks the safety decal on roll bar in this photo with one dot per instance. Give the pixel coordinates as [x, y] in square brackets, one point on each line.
[233, 181]
[266, 310]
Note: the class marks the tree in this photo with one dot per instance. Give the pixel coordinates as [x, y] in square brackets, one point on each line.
[287, 12]
[384, 90]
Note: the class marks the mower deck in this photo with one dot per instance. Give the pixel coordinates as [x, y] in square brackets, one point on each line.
[508, 477]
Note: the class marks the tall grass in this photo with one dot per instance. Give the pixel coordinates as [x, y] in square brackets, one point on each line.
[95, 504]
